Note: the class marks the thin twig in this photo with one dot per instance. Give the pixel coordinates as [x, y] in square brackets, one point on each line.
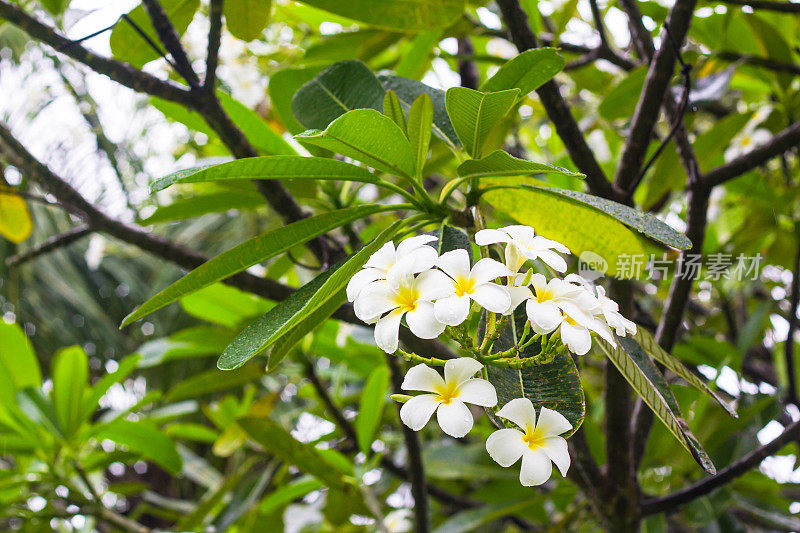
[171, 40]
[53, 243]
[214, 39]
[788, 349]
[767, 5]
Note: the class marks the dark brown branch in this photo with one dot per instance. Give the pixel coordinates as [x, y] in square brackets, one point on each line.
[516, 20]
[118, 71]
[726, 475]
[767, 5]
[788, 349]
[470, 77]
[171, 40]
[758, 61]
[781, 142]
[598, 22]
[214, 39]
[662, 68]
[53, 243]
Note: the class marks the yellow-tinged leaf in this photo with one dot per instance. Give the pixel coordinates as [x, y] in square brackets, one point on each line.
[15, 219]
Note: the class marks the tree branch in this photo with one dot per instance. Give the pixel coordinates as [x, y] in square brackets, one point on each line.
[557, 108]
[758, 61]
[662, 68]
[788, 353]
[470, 77]
[214, 39]
[767, 5]
[171, 40]
[53, 243]
[726, 475]
[781, 142]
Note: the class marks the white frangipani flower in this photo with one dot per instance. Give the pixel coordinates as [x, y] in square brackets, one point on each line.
[523, 244]
[610, 312]
[448, 397]
[552, 299]
[399, 521]
[538, 444]
[471, 284]
[384, 303]
[379, 264]
[750, 138]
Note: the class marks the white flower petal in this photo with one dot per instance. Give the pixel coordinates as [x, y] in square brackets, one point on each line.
[374, 300]
[455, 263]
[490, 236]
[518, 295]
[552, 422]
[487, 269]
[412, 243]
[416, 412]
[492, 297]
[521, 412]
[543, 243]
[422, 322]
[524, 234]
[553, 260]
[401, 273]
[603, 330]
[387, 331]
[384, 258]
[425, 258]
[422, 377]
[452, 310]
[454, 418]
[460, 370]
[539, 282]
[544, 317]
[506, 446]
[556, 449]
[361, 279]
[477, 392]
[433, 284]
[576, 338]
[536, 468]
[514, 257]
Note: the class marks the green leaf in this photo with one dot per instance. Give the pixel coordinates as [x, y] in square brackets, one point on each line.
[126, 43]
[417, 58]
[620, 102]
[408, 91]
[451, 238]
[144, 439]
[202, 204]
[265, 331]
[501, 163]
[474, 114]
[224, 305]
[367, 136]
[649, 344]
[473, 519]
[249, 253]
[578, 226]
[393, 110]
[420, 121]
[340, 88]
[282, 87]
[270, 168]
[370, 407]
[93, 395]
[19, 368]
[70, 374]
[410, 15]
[527, 71]
[197, 341]
[246, 19]
[213, 381]
[278, 442]
[640, 371]
[286, 494]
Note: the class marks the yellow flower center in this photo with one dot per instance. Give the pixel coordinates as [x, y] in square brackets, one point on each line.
[464, 286]
[534, 439]
[543, 295]
[746, 140]
[406, 299]
[447, 393]
[569, 320]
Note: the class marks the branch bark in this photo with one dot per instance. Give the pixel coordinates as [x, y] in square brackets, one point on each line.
[767, 5]
[53, 243]
[171, 40]
[788, 350]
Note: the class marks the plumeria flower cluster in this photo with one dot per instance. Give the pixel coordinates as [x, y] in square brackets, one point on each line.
[437, 293]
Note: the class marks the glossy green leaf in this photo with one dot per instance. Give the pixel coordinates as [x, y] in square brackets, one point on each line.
[265, 331]
[70, 374]
[643, 375]
[340, 88]
[270, 168]
[408, 91]
[246, 19]
[501, 163]
[282, 87]
[202, 204]
[126, 43]
[249, 253]
[212, 381]
[556, 385]
[367, 136]
[393, 109]
[649, 344]
[286, 494]
[410, 15]
[197, 341]
[417, 58]
[278, 442]
[34, 412]
[620, 102]
[224, 305]
[526, 71]
[370, 410]
[578, 226]
[475, 114]
[19, 368]
[93, 395]
[420, 122]
[473, 519]
[145, 439]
